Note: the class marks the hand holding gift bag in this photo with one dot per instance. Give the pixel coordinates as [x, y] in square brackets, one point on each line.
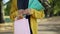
[21, 25]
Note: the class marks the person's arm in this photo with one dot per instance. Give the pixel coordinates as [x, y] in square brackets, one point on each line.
[37, 14]
[34, 13]
[13, 10]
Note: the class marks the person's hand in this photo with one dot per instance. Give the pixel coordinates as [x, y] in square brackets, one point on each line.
[27, 11]
[19, 17]
[20, 14]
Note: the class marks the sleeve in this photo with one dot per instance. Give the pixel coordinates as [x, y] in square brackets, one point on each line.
[13, 15]
[37, 14]
[13, 10]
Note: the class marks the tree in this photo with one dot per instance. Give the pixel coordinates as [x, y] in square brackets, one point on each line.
[7, 9]
[1, 14]
[55, 6]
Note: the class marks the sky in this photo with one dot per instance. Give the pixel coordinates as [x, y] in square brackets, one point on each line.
[4, 1]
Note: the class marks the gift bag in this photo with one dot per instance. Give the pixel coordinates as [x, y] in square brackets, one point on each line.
[21, 26]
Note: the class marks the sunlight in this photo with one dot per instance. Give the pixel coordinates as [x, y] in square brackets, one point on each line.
[5, 1]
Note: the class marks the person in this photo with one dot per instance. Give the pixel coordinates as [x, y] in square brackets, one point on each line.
[32, 14]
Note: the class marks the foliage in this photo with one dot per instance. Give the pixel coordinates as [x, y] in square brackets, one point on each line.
[7, 9]
[57, 7]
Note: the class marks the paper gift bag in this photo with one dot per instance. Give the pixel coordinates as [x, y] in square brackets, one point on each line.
[21, 26]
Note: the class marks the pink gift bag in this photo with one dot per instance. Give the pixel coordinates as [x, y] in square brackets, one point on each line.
[21, 26]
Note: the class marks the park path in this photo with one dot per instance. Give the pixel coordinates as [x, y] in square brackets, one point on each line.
[45, 26]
